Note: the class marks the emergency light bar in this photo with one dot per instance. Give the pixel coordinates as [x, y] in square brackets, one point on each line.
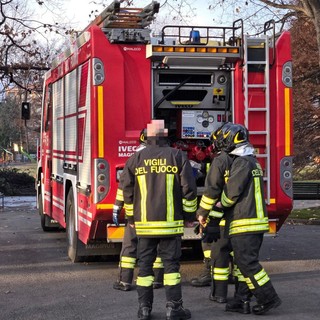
[200, 49]
[158, 52]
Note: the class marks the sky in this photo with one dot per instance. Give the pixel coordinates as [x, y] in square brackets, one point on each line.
[78, 11]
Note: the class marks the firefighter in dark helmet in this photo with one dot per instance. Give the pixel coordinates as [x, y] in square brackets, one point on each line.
[244, 205]
[159, 192]
[213, 231]
[128, 255]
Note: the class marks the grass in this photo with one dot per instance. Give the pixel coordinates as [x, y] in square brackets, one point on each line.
[306, 214]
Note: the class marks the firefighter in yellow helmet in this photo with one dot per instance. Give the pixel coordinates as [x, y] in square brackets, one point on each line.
[246, 217]
[160, 193]
[128, 254]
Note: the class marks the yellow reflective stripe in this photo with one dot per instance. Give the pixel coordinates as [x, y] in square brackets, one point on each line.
[170, 200]
[222, 223]
[159, 232]
[241, 277]
[249, 284]
[101, 125]
[158, 224]
[226, 202]
[145, 281]
[258, 197]
[207, 253]
[215, 214]
[261, 228]
[129, 209]
[159, 228]
[189, 205]
[125, 265]
[143, 191]
[262, 277]
[119, 195]
[221, 274]
[128, 259]
[249, 225]
[250, 221]
[207, 203]
[171, 279]
[287, 121]
[158, 263]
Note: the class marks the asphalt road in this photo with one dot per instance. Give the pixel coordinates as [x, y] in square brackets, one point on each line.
[37, 281]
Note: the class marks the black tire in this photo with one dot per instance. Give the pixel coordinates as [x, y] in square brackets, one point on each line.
[44, 219]
[73, 243]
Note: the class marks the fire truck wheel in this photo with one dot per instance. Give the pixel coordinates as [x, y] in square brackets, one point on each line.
[45, 220]
[73, 241]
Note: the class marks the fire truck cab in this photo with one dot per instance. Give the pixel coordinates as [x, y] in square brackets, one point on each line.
[115, 78]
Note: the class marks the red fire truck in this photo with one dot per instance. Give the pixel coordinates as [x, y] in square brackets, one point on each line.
[115, 78]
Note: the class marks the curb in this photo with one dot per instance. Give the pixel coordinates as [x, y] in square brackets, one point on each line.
[303, 221]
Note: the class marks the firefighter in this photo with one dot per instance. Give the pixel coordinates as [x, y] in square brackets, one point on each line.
[128, 255]
[246, 222]
[221, 249]
[159, 193]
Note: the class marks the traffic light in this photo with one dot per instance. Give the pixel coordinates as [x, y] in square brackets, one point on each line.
[25, 110]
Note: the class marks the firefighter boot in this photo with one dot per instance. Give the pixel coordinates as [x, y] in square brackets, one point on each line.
[204, 278]
[144, 312]
[175, 311]
[241, 306]
[241, 301]
[123, 286]
[125, 280]
[262, 308]
[158, 278]
[219, 291]
[267, 298]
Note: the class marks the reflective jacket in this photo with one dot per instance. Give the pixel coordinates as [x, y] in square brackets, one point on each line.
[216, 178]
[159, 191]
[244, 195]
[119, 196]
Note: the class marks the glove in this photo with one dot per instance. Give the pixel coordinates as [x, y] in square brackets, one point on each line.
[211, 233]
[115, 214]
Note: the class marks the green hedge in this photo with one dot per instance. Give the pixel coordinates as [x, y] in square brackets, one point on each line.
[16, 183]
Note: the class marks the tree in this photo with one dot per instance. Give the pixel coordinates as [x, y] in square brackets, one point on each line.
[282, 11]
[9, 124]
[306, 80]
[21, 36]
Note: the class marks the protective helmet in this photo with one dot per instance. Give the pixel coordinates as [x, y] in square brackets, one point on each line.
[235, 136]
[217, 136]
[143, 136]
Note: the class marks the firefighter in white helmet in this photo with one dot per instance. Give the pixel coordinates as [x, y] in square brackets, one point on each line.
[128, 254]
[160, 193]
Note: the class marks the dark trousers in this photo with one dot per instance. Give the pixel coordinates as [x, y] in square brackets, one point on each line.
[169, 250]
[220, 263]
[246, 254]
[128, 258]
[128, 254]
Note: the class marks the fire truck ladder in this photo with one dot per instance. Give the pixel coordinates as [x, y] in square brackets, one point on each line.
[115, 17]
[257, 99]
[126, 24]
